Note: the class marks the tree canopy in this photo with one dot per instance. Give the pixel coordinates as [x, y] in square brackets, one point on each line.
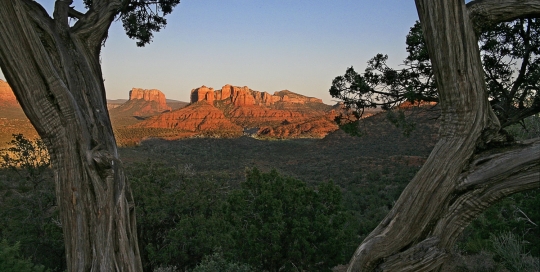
[510, 54]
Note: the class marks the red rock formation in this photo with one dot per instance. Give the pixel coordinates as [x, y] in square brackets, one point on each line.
[284, 114]
[7, 97]
[244, 96]
[150, 95]
[202, 94]
[409, 104]
[288, 96]
[197, 117]
[141, 103]
[316, 127]
[256, 116]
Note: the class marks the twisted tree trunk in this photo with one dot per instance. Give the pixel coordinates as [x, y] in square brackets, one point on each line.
[55, 73]
[457, 182]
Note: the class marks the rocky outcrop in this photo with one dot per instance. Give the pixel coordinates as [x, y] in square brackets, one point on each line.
[232, 110]
[7, 97]
[197, 117]
[150, 96]
[244, 96]
[141, 103]
[316, 127]
[202, 94]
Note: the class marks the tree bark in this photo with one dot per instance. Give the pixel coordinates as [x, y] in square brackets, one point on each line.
[55, 73]
[457, 182]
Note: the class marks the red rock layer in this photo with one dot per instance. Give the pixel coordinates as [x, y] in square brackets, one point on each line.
[197, 117]
[255, 116]
[317, 127]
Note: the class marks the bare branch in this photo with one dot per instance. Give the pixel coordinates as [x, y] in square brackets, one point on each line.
[496, 168]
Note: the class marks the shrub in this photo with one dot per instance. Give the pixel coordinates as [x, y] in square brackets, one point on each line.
[179, 217]
[217, 263]
[280, 223]
[10, 259]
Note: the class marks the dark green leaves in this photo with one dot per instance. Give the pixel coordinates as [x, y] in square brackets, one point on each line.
[141, 18]
[510, 55]
[280, 223]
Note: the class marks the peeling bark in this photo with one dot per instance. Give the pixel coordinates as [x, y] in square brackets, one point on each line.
[55, 73]
[455, 184]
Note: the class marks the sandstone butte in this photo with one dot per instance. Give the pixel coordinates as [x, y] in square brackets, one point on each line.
[143, 103]
[234, 109]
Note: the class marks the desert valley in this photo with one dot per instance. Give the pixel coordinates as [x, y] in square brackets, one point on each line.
[215, 140]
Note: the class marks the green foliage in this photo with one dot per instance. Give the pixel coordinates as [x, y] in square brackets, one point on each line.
[29, 159]
[28, 210]
[144, 17]
[351, 128]
[179, 218]
[527, 128]
[518, 214]
[400, 121]
[373, 194]
[11, 260]
[510, 249]
[217, 263]
[279, 223]
[510, 57]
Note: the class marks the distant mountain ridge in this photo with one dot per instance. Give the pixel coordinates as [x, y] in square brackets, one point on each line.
[244, 96]
[233, 110]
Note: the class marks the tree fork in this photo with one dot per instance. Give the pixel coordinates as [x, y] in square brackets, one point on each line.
[453, 186]
[56, 76]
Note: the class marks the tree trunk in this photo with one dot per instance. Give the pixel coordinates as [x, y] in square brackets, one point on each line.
[56, 76]
[457, 182]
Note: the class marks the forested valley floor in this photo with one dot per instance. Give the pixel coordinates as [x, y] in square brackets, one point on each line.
[246, 204]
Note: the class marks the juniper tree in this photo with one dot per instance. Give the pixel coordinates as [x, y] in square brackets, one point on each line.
[52, 62]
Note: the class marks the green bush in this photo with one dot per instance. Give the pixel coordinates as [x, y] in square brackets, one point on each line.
[281, 224]
[11, 260]
[179, 217]
[518, 214]
[217, 263]
[28, 209]
[510, 249]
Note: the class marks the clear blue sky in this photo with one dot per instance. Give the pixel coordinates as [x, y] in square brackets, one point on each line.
[268, 45]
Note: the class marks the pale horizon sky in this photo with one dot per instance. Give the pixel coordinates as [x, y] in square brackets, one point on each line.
[267, 45]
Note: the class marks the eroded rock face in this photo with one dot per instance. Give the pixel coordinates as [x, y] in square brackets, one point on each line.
[233, 110]
[7, 97]
[244, 96]
[197, 117]
[141, 103]
[150, 95]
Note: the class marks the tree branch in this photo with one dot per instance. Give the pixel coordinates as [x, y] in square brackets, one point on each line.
[490, 12]
[75, 13]
[93, 27]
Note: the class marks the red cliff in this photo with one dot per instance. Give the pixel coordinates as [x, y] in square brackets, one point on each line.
[244, 96]
[141, 103]
[150, 96]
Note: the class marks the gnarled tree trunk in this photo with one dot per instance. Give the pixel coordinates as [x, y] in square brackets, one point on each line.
[54, 70]
[457, 182]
